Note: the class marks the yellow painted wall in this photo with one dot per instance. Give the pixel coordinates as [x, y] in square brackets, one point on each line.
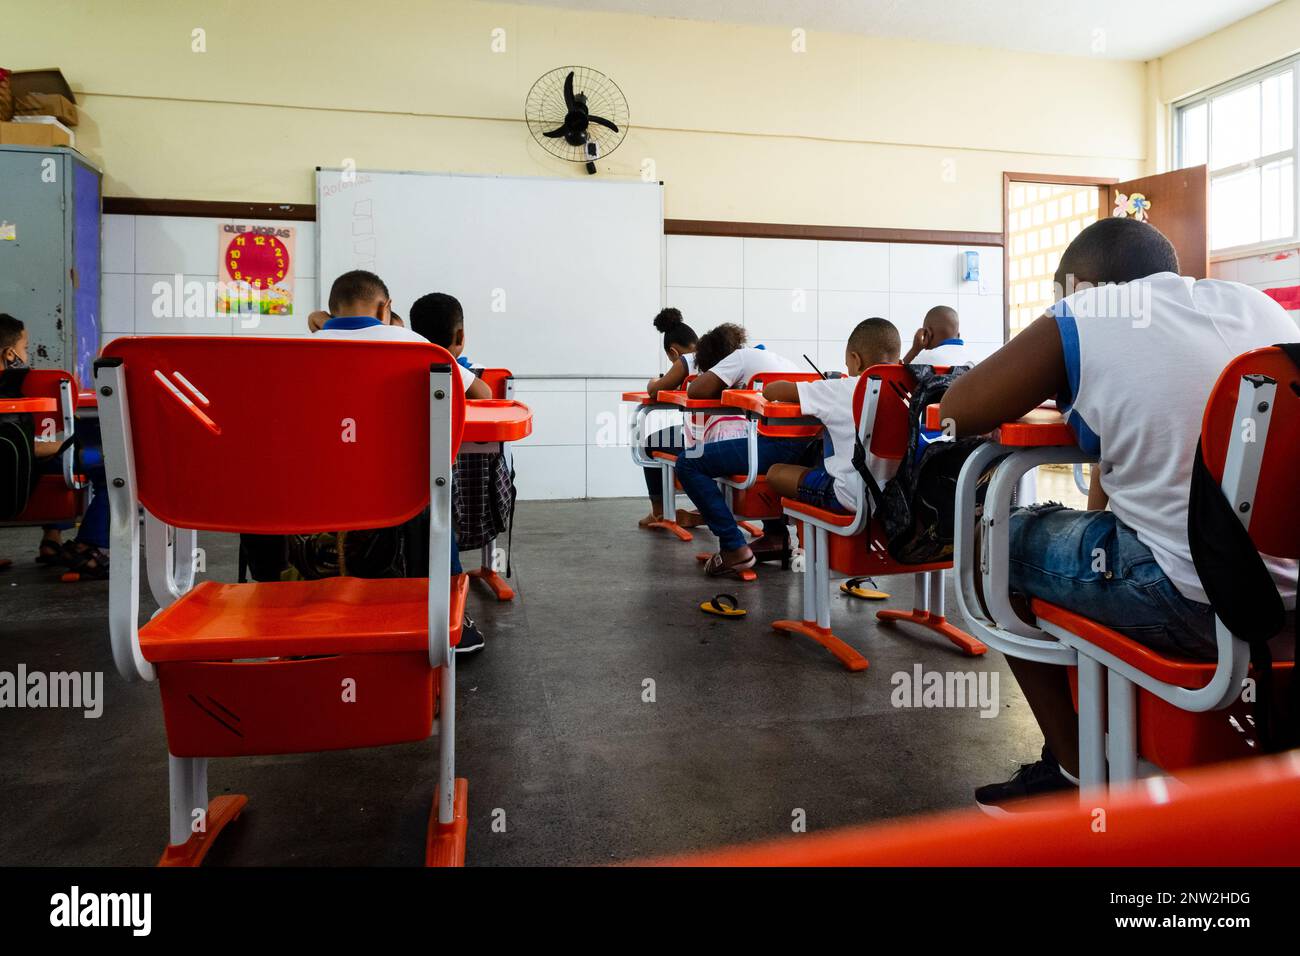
[854, 131]
[1268, 36]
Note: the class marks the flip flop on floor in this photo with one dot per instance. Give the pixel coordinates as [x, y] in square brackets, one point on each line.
[723, 605]
[854, 588]
[715, 568]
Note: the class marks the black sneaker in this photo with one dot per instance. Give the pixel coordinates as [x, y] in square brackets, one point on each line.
[1031, 780]
[471, 638]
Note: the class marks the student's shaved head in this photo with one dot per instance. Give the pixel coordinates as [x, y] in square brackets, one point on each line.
[942, 323]
[357, 293]
[876, 341]
[1114, 250]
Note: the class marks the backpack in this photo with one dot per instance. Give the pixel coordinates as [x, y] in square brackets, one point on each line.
[18, 472]
[1242, 593]
[916, 507]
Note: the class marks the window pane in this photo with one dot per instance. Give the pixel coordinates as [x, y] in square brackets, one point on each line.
[1236, 127]
[1278, 113]
[1235, 209]
[1194, 134]
[1277, 194]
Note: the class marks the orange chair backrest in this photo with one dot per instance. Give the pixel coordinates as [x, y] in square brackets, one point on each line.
[889, 432]
[1275, 513]
[44, 383]
[496, 379]
[280, 435]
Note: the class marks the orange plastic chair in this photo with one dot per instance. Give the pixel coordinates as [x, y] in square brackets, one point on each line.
[1176, 712]
[1247, 814]
[854, 543]
[282, 436]
[61, 497]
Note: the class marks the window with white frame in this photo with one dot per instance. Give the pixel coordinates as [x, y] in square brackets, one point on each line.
[1245, 132]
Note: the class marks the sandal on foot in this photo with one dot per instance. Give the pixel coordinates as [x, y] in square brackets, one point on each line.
[92, 566]
[716, 567]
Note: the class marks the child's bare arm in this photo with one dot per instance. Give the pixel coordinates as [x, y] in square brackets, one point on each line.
[707, 385]
[669, 381]
[781, 392]
[1015, 379]
[479, 389]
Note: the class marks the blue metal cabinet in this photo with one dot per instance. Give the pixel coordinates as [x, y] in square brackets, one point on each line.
[50, 253]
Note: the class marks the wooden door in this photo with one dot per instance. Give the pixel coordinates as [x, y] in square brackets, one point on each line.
[1179, 201]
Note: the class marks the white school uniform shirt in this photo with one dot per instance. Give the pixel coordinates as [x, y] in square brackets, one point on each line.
[735, 371]
[1142, 358]
[831, 402]
[376, 331]
[947, 352]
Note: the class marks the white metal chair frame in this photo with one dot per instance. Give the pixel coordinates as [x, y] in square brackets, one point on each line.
[1107, 711]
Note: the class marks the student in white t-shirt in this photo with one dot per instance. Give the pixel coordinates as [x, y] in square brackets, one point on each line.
[938, 341]
[723, 361]
[1131, 359]
[836, 485]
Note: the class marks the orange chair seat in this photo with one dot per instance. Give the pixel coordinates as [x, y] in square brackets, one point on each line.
[218, 621]
[663, 456]
[1178, 671]
[837, 518]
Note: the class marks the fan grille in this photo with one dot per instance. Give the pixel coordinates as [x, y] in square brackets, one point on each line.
[545, 110]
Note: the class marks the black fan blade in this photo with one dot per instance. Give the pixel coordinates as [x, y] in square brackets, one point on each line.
[557, 132]
[568, 92]
[602, 122]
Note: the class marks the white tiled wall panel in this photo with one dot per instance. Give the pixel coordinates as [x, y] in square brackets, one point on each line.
[1273, 270]
[797, 297]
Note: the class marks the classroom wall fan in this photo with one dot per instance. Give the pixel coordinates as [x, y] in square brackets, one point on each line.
[577, 113]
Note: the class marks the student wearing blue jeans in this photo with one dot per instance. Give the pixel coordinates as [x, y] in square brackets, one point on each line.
[1130, 353]
[698, 470]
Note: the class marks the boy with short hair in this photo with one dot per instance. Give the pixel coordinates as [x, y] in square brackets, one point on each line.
[360, 308]
[938, 341]
[1131, 355]
[835, 484]
[439, 318]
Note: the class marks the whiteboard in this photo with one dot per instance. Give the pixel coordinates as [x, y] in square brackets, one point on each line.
[556, 276]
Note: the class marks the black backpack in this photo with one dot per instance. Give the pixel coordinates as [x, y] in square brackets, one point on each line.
[18, 473]
[1242, 592]
[916, 507]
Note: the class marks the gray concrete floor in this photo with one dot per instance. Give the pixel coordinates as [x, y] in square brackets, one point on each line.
[747, 727]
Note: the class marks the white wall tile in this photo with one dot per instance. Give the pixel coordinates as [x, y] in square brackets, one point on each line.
[559, 418]
[982, 350]
[618, 385]
[703, 308]
[1266, 270]
[830, 355]
[707, 261]
[780, 264]
[117, 308]
[795, 350]
[611, 474]
[839, 312]
[907, 310]
[607, 418]
[853, 266]
[551, 471]
[919, 267]
[772, 314]
[160, 307]
[1225, 269]
[528, 385]
[981, 317]
[117, 239]
[165, 245]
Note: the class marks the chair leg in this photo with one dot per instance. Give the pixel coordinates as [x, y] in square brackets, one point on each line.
[1121, 728]
[448, 823]
[816, 602]
[668, 495]
[195, 822]
[928, 612]
[1092, 730]
[488, 574]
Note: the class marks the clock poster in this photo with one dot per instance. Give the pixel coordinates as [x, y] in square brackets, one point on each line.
[255, 274]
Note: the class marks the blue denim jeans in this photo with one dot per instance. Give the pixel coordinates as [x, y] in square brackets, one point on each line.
[697, 472]
[1092, 563]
